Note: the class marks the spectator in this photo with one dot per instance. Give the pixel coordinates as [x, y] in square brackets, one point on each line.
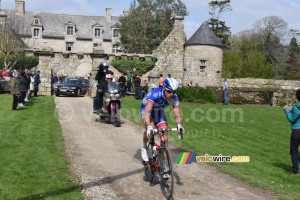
[190, 84]
[23, 88]
[4, 73]
[128, 80]
[61, 78]
[161, 80]
[122, 81]
[31, 86]
[134, 75]
[15, 90]
[225, 90]
[169, 75]
[27, 77]
[137, 85]
[37, 82]
[292, 115]
[10, 73]
[54, 79]
[144, 90]
[197, 84]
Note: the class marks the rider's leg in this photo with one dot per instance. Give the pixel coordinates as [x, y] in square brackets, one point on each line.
[144, 153]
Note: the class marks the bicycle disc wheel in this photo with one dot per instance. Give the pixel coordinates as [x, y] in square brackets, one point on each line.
[166, 184]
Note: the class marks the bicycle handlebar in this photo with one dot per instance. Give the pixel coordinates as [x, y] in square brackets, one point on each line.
[156, 131]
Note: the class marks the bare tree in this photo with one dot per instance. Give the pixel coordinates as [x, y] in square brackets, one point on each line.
[11, 44]
[271, 31]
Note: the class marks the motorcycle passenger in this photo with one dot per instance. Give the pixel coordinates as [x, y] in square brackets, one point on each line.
[102, 84]
[152, 111]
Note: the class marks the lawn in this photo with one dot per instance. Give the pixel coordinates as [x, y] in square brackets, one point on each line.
[260, 132]
[33, 160]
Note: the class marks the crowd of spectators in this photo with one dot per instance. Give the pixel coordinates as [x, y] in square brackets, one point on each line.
[23, 83]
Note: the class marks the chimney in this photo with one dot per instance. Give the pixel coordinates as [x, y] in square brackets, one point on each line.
[108, 14]
[19, 7]
[2, 17]
[125, 12]
[178, 21]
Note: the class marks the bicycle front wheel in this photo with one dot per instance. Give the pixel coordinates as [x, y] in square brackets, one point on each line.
[166, 173]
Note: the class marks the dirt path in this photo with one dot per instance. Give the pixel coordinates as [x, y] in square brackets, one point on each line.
[106, 161]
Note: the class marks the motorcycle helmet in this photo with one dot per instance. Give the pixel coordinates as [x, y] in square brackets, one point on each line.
[103, 65]
[109, 76]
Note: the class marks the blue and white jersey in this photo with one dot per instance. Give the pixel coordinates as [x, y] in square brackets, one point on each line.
[159, 101]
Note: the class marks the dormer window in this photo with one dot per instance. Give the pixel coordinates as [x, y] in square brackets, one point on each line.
[70, 30]
[36, 32]
[116, 33]
[97, 32]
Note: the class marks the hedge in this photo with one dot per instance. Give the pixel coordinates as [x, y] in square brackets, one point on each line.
[124, 65]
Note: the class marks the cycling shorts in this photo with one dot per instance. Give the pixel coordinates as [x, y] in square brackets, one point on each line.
[158, 117]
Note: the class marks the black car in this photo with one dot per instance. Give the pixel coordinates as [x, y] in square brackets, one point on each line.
[72, 86]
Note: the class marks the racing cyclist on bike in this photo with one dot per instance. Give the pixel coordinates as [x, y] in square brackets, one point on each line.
[153, 115]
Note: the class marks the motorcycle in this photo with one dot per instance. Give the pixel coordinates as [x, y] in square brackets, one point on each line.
[111, 104]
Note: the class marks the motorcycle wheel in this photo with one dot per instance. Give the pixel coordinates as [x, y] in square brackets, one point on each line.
[117, 117]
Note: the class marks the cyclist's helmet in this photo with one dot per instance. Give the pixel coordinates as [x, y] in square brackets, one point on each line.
[104, 65]
[109, 76]
[170, 84]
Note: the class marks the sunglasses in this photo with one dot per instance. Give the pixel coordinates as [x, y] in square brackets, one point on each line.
[171, 91]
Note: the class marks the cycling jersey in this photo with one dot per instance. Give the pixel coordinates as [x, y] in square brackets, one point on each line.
[159, 102]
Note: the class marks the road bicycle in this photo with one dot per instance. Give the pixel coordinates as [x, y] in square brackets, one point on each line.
[156, 154]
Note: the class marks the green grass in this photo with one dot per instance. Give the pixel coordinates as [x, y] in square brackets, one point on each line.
[33, 161]
[263, 135]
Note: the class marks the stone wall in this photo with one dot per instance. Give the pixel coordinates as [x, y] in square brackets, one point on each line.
[170, 54]
[263, 91]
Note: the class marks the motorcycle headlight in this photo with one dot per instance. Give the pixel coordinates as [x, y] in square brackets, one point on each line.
[111, 95]
[117, 95]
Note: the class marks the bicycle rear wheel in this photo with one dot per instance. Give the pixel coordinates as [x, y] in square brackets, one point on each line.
[166, 184]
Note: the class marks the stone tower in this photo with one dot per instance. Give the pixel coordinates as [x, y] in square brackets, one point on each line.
[203, 58]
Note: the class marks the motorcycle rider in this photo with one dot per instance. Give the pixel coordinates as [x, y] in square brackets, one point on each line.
[153, 115]
[101, 86]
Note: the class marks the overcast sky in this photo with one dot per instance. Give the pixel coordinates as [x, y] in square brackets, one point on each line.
[242, 17]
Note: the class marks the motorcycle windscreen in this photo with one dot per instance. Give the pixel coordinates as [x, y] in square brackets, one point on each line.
[112, 88]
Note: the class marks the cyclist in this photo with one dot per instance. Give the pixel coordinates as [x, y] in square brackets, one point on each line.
[152, 111]
[102, 84]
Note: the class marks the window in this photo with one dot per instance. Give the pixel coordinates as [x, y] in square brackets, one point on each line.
[116, 32]
[36, 32]
[70, 30]
[97, 32]
[115, 48]
[203, 62]
[69, 46]
[202, 69]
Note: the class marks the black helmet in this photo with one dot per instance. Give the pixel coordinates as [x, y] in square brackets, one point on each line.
[104, 65]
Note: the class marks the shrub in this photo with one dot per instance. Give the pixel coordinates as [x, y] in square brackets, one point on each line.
[196, 95]
[124, 65]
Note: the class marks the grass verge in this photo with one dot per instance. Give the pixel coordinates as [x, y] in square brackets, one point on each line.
[262, 133]
[33, 160]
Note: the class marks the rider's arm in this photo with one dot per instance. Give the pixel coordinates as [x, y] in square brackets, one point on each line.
[148, 109]
[177, 115]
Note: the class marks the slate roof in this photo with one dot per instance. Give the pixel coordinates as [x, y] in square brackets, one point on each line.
[54, 24]
[204, 36]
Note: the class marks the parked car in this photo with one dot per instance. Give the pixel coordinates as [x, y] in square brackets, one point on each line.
[72, 86]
